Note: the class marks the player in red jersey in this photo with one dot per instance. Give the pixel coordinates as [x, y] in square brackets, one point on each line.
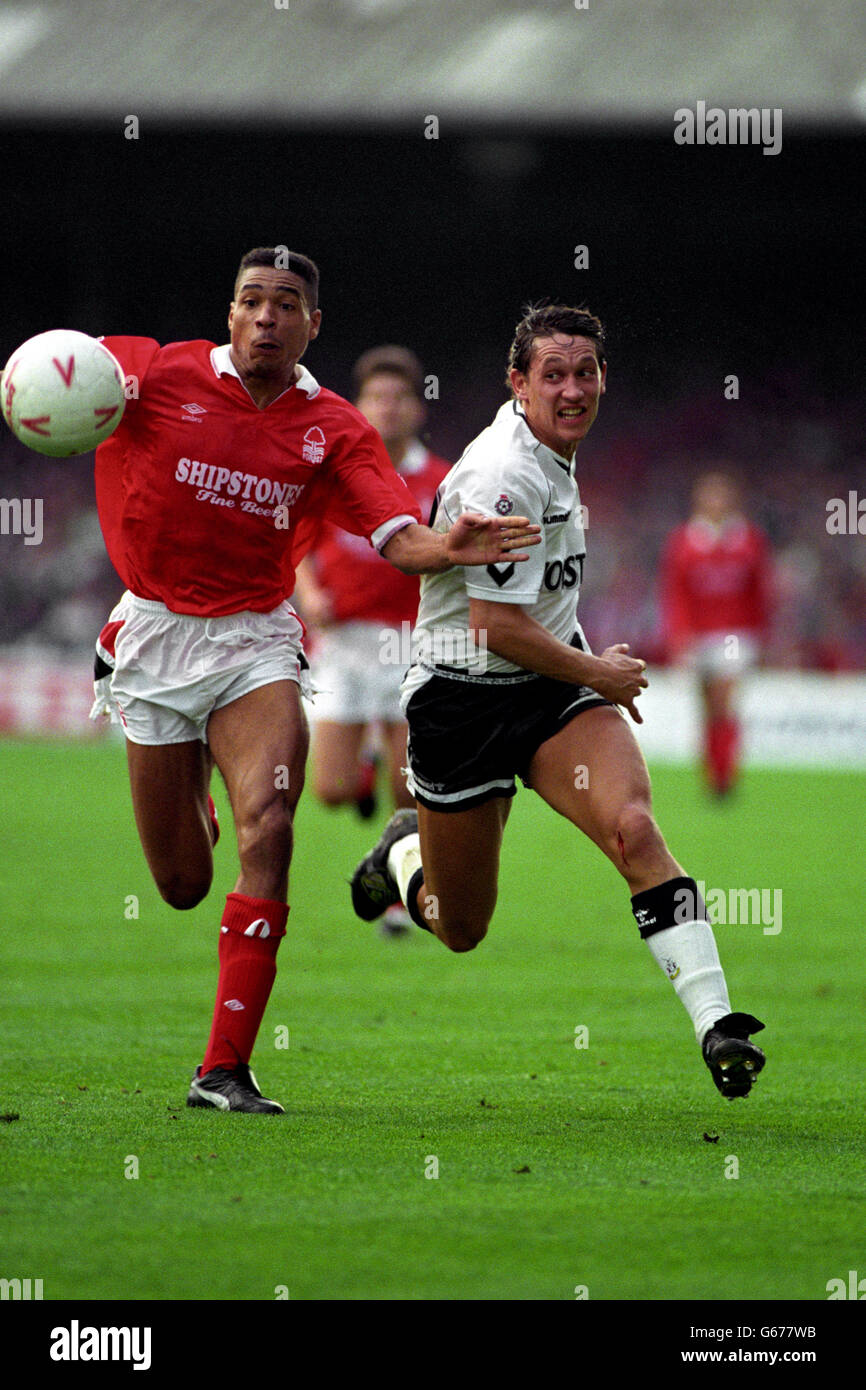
[360, 607]
[715, 605]
[216, 481]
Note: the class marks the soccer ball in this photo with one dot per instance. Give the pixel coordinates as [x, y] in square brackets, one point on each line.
[61, 393]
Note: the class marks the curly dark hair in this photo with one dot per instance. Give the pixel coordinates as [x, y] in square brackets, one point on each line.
[541, 321]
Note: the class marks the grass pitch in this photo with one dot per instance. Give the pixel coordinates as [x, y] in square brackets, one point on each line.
[614, 1168]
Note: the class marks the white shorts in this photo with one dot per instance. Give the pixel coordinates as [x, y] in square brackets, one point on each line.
[722, 654]
[358, 668]
[172, 670]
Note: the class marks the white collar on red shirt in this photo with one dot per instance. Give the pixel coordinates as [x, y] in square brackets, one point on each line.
[222, 363]
[414, 458]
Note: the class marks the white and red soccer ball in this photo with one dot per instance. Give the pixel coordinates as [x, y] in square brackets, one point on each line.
[62, 393]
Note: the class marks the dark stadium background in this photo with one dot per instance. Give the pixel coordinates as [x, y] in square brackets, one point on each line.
[306, 121]
[702, 261]
[723, 259]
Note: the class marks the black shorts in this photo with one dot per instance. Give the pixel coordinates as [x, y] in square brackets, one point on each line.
[469, 738]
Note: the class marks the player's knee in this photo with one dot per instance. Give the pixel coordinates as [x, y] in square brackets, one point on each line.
[636, 836]
[330, 785]
[331, 794]
[265, 834]
[182, 890]
[461, 936]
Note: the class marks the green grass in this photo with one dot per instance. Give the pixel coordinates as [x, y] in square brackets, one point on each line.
[399, 1052]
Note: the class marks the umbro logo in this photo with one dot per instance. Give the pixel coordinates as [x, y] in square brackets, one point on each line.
[233, 1004]
[193, 413]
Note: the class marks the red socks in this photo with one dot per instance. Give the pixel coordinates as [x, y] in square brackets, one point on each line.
[722, 750]
[251, 931]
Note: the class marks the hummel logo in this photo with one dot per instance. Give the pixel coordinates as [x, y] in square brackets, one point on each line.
[193, 413]
[501, 576]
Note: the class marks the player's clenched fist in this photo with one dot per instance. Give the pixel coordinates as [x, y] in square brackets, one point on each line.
[622, 678]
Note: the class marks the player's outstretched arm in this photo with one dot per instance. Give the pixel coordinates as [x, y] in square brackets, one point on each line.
[512, 633]
[472, 540]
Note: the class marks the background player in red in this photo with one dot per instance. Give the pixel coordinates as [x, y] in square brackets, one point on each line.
[357, 604]
[715, 605]
[360, 609]
[214, 484]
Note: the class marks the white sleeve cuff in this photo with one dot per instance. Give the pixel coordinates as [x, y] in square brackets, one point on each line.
[389, 528]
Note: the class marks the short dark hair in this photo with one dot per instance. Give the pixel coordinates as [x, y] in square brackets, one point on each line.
[396, 361]
[542, 320]
[281, 258]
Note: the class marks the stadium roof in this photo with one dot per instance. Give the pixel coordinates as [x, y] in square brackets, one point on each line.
[398, 60]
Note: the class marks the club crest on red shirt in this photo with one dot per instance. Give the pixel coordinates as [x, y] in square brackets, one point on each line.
[314, 445]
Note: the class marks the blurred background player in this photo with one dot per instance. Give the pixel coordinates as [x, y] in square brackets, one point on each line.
[715, 610]
[360, 609]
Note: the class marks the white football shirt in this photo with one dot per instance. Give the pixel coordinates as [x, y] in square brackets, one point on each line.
[505, 471]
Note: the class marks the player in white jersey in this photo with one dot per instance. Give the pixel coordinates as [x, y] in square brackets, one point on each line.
[504, 685]
[508, 457]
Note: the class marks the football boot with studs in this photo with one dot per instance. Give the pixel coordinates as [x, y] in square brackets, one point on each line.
[230, 1089]
[374, 887]
[733, 1060]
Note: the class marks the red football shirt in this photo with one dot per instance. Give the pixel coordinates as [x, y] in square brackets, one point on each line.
[208, 503]
[362, 586]
[714, 579]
